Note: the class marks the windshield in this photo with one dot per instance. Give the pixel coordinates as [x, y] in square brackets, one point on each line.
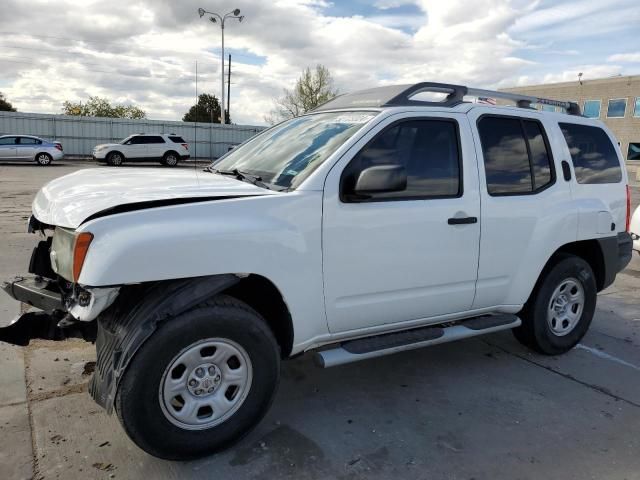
[288, 153]
[126, 139]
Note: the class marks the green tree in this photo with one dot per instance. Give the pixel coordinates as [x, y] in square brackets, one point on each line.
[101, 107]
[313, 88]
[207, 110]
[5, 105]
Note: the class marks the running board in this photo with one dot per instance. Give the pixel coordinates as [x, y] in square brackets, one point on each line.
[379, 345]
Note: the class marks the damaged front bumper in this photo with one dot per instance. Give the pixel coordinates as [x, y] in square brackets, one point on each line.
[61, 316]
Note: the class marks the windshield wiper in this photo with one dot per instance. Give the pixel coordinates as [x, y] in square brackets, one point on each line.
[242, 176]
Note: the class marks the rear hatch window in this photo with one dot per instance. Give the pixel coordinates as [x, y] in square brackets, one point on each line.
[594, 156]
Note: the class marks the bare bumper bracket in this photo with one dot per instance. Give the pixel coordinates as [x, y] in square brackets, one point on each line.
[34, 291]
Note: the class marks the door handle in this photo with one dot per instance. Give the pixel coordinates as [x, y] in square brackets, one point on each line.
[462, 220]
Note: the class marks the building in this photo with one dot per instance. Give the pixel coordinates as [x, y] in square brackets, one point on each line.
[615, 101]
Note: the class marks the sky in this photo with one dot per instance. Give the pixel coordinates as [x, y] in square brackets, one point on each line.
[144, 52]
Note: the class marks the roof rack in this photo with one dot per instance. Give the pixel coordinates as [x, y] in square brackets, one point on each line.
[402, 95]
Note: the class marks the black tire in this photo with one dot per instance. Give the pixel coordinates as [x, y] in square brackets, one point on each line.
[536, 331]
[170, 159]
[115, 159]
[44, 159]
[139, 398]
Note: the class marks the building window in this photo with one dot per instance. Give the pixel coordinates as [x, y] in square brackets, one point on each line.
[634, 150]
[617, 107]
[592, 108]
[636, 112]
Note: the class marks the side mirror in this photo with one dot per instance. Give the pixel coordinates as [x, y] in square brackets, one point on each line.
[380, 179]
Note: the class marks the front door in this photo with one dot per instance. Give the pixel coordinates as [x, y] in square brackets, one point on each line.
[136, 148]
[8, 148]
[403, 256]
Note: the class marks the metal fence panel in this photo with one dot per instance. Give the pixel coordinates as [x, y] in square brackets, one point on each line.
[79, 135]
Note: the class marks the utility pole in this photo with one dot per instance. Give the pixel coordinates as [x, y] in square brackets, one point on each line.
[217, 18]
[229, 88]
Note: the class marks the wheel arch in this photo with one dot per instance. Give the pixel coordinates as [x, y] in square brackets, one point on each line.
[264, 297]
[124, 157]
[140, 309]
[588, 250]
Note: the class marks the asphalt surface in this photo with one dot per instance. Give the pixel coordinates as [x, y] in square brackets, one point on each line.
[478, 409]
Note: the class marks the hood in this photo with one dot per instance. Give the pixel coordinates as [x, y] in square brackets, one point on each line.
[68, 201]
[102, 145]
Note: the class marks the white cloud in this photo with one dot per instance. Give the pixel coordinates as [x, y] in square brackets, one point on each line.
[145, 52]
[625, 58]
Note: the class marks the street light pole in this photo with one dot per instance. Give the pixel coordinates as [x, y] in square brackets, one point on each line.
[217, 18]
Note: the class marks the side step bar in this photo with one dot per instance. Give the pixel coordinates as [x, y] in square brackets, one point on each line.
[379, 345]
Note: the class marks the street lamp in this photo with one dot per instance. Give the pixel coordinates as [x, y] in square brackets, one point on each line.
[217, 18]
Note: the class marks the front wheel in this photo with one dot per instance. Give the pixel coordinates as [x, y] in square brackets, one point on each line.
[201, 382]
[115, 159]
[560, 309]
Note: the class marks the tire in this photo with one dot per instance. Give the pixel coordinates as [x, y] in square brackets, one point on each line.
[115, 159]
[150, 416]
[44, 159]
[170, 159]
[553, 321]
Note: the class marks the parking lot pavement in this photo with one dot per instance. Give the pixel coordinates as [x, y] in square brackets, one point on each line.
[478, 409]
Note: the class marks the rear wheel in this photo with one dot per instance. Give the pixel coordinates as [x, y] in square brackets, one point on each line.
[201, 382]
[44, 159]
[561, 308]
[170, 159]
[115, 159]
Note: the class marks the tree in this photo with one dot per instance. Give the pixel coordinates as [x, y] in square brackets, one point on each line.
[207, 110]
[313, 88]
[101, 107]
[5, 106]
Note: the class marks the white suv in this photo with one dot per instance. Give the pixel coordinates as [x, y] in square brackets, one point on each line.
[378, 223]
[144, 147]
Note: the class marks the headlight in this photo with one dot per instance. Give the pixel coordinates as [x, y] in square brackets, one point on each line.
[68, 251]
[100, 147]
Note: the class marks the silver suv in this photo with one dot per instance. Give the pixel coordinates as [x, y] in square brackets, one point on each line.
[168, 149]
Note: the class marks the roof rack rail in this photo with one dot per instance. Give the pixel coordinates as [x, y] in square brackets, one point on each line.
[402, 95]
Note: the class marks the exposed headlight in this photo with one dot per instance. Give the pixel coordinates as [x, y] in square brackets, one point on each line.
[68, 251]
[100, 147]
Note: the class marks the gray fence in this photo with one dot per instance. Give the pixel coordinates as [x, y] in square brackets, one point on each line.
[79, 135]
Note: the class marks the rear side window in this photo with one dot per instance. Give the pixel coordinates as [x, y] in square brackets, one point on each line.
[176, 139]
[8, 141]
[28, 141]
[428, 149]
[594, 156]
[153, 139]
[516, 153]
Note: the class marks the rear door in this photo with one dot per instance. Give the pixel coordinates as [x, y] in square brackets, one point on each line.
[26, 148]
[403, 257]
[156, 146]
[527, 210]
[7, 148]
